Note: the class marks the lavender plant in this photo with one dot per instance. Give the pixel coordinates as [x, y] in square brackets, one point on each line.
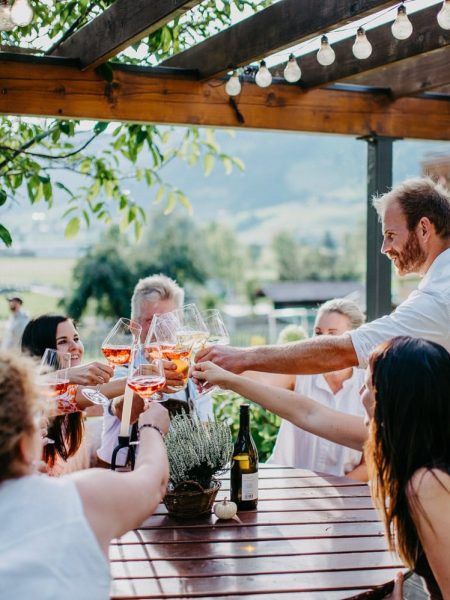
[197, 451]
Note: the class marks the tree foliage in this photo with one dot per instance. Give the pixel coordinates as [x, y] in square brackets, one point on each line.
[328, 261]
[35, 153]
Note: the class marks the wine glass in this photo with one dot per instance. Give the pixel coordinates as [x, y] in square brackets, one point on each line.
[191, 327]
[163, 342]
[53, 377]
[218, 335]
[146, 375]
[116, 348]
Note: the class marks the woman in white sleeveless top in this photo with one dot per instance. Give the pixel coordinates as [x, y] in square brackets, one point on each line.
[338, 390]
[55, 533]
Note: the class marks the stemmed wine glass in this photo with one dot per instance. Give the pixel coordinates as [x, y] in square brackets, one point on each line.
[218, 335]
[116, 348]
[53, 377]
[191, 327]
[163, 342]
[146, 375]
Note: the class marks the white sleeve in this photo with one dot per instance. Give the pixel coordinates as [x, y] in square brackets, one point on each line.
[420, 315]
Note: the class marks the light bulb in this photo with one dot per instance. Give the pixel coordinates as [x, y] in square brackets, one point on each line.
[443, 17]
[326, 55]
[362, 48]
[233, 85]
[263, 77]
[402, 27]
[21, 13]
[292, 71]
[5, 18]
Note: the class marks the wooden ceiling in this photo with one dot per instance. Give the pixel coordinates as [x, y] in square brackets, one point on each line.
[401, 90]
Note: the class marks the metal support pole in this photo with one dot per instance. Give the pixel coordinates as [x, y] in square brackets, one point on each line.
[378, 273]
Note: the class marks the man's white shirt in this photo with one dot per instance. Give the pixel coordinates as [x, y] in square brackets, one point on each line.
[424, 314]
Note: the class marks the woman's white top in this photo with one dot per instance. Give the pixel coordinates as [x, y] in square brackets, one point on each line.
[297, 448]
[48, 550]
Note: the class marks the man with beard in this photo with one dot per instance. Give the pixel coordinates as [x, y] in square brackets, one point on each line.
[415, 217]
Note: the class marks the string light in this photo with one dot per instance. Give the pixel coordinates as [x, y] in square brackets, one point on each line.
[362, 48]
[292, 71]
[326, 55]
[402, 27]
[233, 85]
[21, 13]
[5, 17]
[443, 17]
[263, 77]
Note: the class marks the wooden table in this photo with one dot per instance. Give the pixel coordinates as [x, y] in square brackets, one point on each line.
[313, 537]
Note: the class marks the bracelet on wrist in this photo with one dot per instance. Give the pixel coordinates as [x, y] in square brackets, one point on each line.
[151, 427]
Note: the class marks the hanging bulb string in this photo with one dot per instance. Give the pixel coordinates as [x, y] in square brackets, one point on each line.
[284, 57]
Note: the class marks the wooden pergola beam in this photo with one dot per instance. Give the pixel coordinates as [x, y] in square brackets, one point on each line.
[119, 26]
[412, 76]
[273, 29]
[427, 37]
[138, 95]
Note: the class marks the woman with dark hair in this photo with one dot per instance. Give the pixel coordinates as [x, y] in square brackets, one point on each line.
[67, 428]
[407, 400]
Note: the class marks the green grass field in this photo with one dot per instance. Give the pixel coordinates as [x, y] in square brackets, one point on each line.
[18, 272]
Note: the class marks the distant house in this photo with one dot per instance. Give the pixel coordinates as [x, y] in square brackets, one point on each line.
[309, 294]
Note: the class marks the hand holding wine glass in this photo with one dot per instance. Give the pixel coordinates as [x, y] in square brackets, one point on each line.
[53, 378]
[163, 342]
[217, 336]
[116, 348]
[146, 376]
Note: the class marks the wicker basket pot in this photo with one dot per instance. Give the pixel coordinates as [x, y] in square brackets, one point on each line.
[193, 502]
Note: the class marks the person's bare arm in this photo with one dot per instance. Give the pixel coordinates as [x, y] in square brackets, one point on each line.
[429, 501]
[115, 502]
[338, 427]
[287, 382]
[112, 389]
[359, 473]
[321, 354]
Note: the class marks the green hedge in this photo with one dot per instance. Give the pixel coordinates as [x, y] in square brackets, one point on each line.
[264, 424]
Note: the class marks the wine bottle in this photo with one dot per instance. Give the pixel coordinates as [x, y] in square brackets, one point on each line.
[244, 466]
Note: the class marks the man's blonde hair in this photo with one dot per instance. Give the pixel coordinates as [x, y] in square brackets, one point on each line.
[153, 289]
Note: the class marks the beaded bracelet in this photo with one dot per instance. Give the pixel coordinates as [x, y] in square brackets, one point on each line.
[152, 427]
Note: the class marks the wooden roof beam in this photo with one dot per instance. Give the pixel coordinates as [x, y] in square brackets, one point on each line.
[119, 26]
[427, 37]
[275, 28]
[411, 76]
[39, 88]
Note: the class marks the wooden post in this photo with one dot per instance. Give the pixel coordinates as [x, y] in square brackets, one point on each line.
[378, 273]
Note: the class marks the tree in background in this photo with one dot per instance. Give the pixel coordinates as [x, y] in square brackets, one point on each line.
[105, 277]
[227, 258]
[329, 261]
[286, 254]
[35, 152]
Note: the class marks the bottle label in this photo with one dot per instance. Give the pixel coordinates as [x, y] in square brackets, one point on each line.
[249, 486]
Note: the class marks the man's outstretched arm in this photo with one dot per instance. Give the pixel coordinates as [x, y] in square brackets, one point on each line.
[317, 355]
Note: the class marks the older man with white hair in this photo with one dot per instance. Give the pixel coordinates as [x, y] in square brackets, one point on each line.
[157, 294]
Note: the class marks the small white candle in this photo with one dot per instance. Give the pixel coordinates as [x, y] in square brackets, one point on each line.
[126, 412]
